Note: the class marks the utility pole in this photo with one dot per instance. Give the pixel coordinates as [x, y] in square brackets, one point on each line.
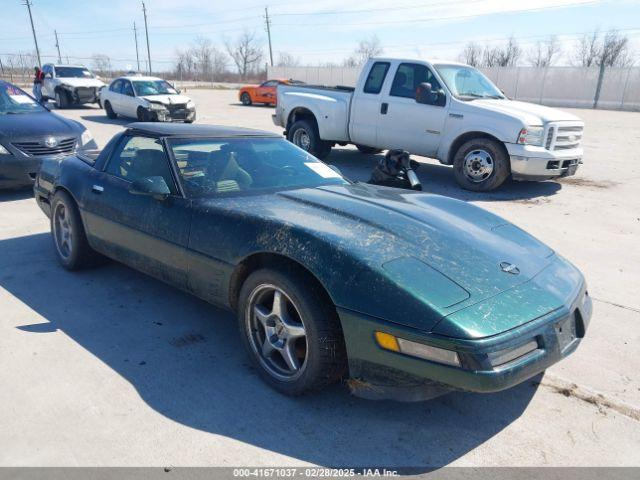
[35, 40]
[266, 17]
[135, 34]
[58, 46]
[146, 31]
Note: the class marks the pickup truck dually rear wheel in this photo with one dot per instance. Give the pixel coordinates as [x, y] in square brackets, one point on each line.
[69, 238]
[368, 150]
[481, 165]
[304, 134]
[292, 336]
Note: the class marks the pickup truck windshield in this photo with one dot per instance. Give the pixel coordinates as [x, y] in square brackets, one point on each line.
[153, 87]
[220, 166]
[14, 100]
[467, 83]
[73, 72]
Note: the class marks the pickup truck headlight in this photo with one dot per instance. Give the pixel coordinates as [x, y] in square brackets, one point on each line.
[4, 151]
[531, 135]
[86, 137]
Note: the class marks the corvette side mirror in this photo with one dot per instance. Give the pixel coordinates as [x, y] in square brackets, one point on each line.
[155, 187]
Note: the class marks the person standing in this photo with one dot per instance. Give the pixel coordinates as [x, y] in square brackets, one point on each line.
[37, 84]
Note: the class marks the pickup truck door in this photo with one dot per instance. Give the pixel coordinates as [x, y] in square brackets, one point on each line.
[148, 234]
[404, 123]
[365, 107]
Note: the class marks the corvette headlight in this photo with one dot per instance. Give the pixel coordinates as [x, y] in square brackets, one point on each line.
[86, 137]
[4, 151]
[415, 349]
[531, 135]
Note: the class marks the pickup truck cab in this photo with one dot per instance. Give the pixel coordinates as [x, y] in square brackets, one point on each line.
[70, 85]
[443, 110]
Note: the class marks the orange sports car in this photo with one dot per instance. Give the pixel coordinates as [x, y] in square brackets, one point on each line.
[265, 92]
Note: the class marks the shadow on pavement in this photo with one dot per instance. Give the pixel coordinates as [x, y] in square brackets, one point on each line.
[185, 359]
[13, 194]
[439, 179]
[107, 120]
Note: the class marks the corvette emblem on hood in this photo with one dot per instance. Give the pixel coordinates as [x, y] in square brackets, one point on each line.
[507, 267]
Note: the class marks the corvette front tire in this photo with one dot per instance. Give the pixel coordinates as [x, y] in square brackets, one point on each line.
[293, 337]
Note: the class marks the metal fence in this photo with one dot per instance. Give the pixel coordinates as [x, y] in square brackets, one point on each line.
[553, 86]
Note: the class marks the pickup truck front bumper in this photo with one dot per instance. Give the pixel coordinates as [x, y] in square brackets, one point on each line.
[538, 163]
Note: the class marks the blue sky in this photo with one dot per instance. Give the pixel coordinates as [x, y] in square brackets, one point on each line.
[315, 32]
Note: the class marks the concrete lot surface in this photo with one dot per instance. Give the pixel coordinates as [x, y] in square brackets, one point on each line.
[109, 367]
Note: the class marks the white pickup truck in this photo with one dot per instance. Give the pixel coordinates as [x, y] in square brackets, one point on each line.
[447, 111]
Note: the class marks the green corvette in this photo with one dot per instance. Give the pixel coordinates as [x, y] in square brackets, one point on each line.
[397, 290]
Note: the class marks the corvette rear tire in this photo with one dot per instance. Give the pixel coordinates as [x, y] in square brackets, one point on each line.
[481, 165]
[245, 98]
[304, 134]
[292, 336]
[69, 238]
[110, 113]
[368, 150]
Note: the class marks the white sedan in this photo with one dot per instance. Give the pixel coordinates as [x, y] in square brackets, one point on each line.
[146, 99]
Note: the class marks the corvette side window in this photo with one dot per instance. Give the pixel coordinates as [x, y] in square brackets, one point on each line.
[140, 157]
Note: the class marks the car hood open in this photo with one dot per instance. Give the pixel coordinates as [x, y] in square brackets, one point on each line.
[465, 243]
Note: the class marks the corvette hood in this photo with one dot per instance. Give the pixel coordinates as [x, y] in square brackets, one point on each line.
[167, 99]
[81, 82]
[528, 113]
[464, 243]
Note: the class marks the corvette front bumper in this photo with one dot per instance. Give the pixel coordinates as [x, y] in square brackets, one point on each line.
[384, 369]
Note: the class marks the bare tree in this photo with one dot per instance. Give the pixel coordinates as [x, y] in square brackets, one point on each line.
[207, 59]
[472, 54]
[245, 52]
[588, 50]
[509, 55]
[366, 49]
[287, 60]
[544, 53]
[101, 64]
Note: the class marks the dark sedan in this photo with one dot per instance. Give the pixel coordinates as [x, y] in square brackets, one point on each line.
[399, 290]
[29, 132]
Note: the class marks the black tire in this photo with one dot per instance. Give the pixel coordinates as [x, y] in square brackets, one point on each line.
[368, 150]
[191, 120]
[245, 98]
[62, 99]
[110, 113]
[324, 352]
[481, 165]
[77, 254]
[314, 144]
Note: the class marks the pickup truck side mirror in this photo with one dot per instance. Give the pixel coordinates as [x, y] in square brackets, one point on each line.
[426, 96]
[155, 187]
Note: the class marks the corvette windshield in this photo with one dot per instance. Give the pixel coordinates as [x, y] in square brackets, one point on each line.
[153, 87]
[221, 166]
[467, 83]
[73, 72]
[14, 100]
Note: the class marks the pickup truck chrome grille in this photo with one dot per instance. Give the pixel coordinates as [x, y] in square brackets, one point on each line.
[563, 137]
[64, 146]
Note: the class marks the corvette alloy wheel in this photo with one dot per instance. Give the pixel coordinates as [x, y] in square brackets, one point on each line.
[62, 231]
[276, 331]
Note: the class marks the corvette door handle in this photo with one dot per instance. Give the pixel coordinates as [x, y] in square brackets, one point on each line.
[384, 108]
[97, 189]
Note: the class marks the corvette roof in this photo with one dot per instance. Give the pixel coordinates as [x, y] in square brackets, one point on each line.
[200, 130]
